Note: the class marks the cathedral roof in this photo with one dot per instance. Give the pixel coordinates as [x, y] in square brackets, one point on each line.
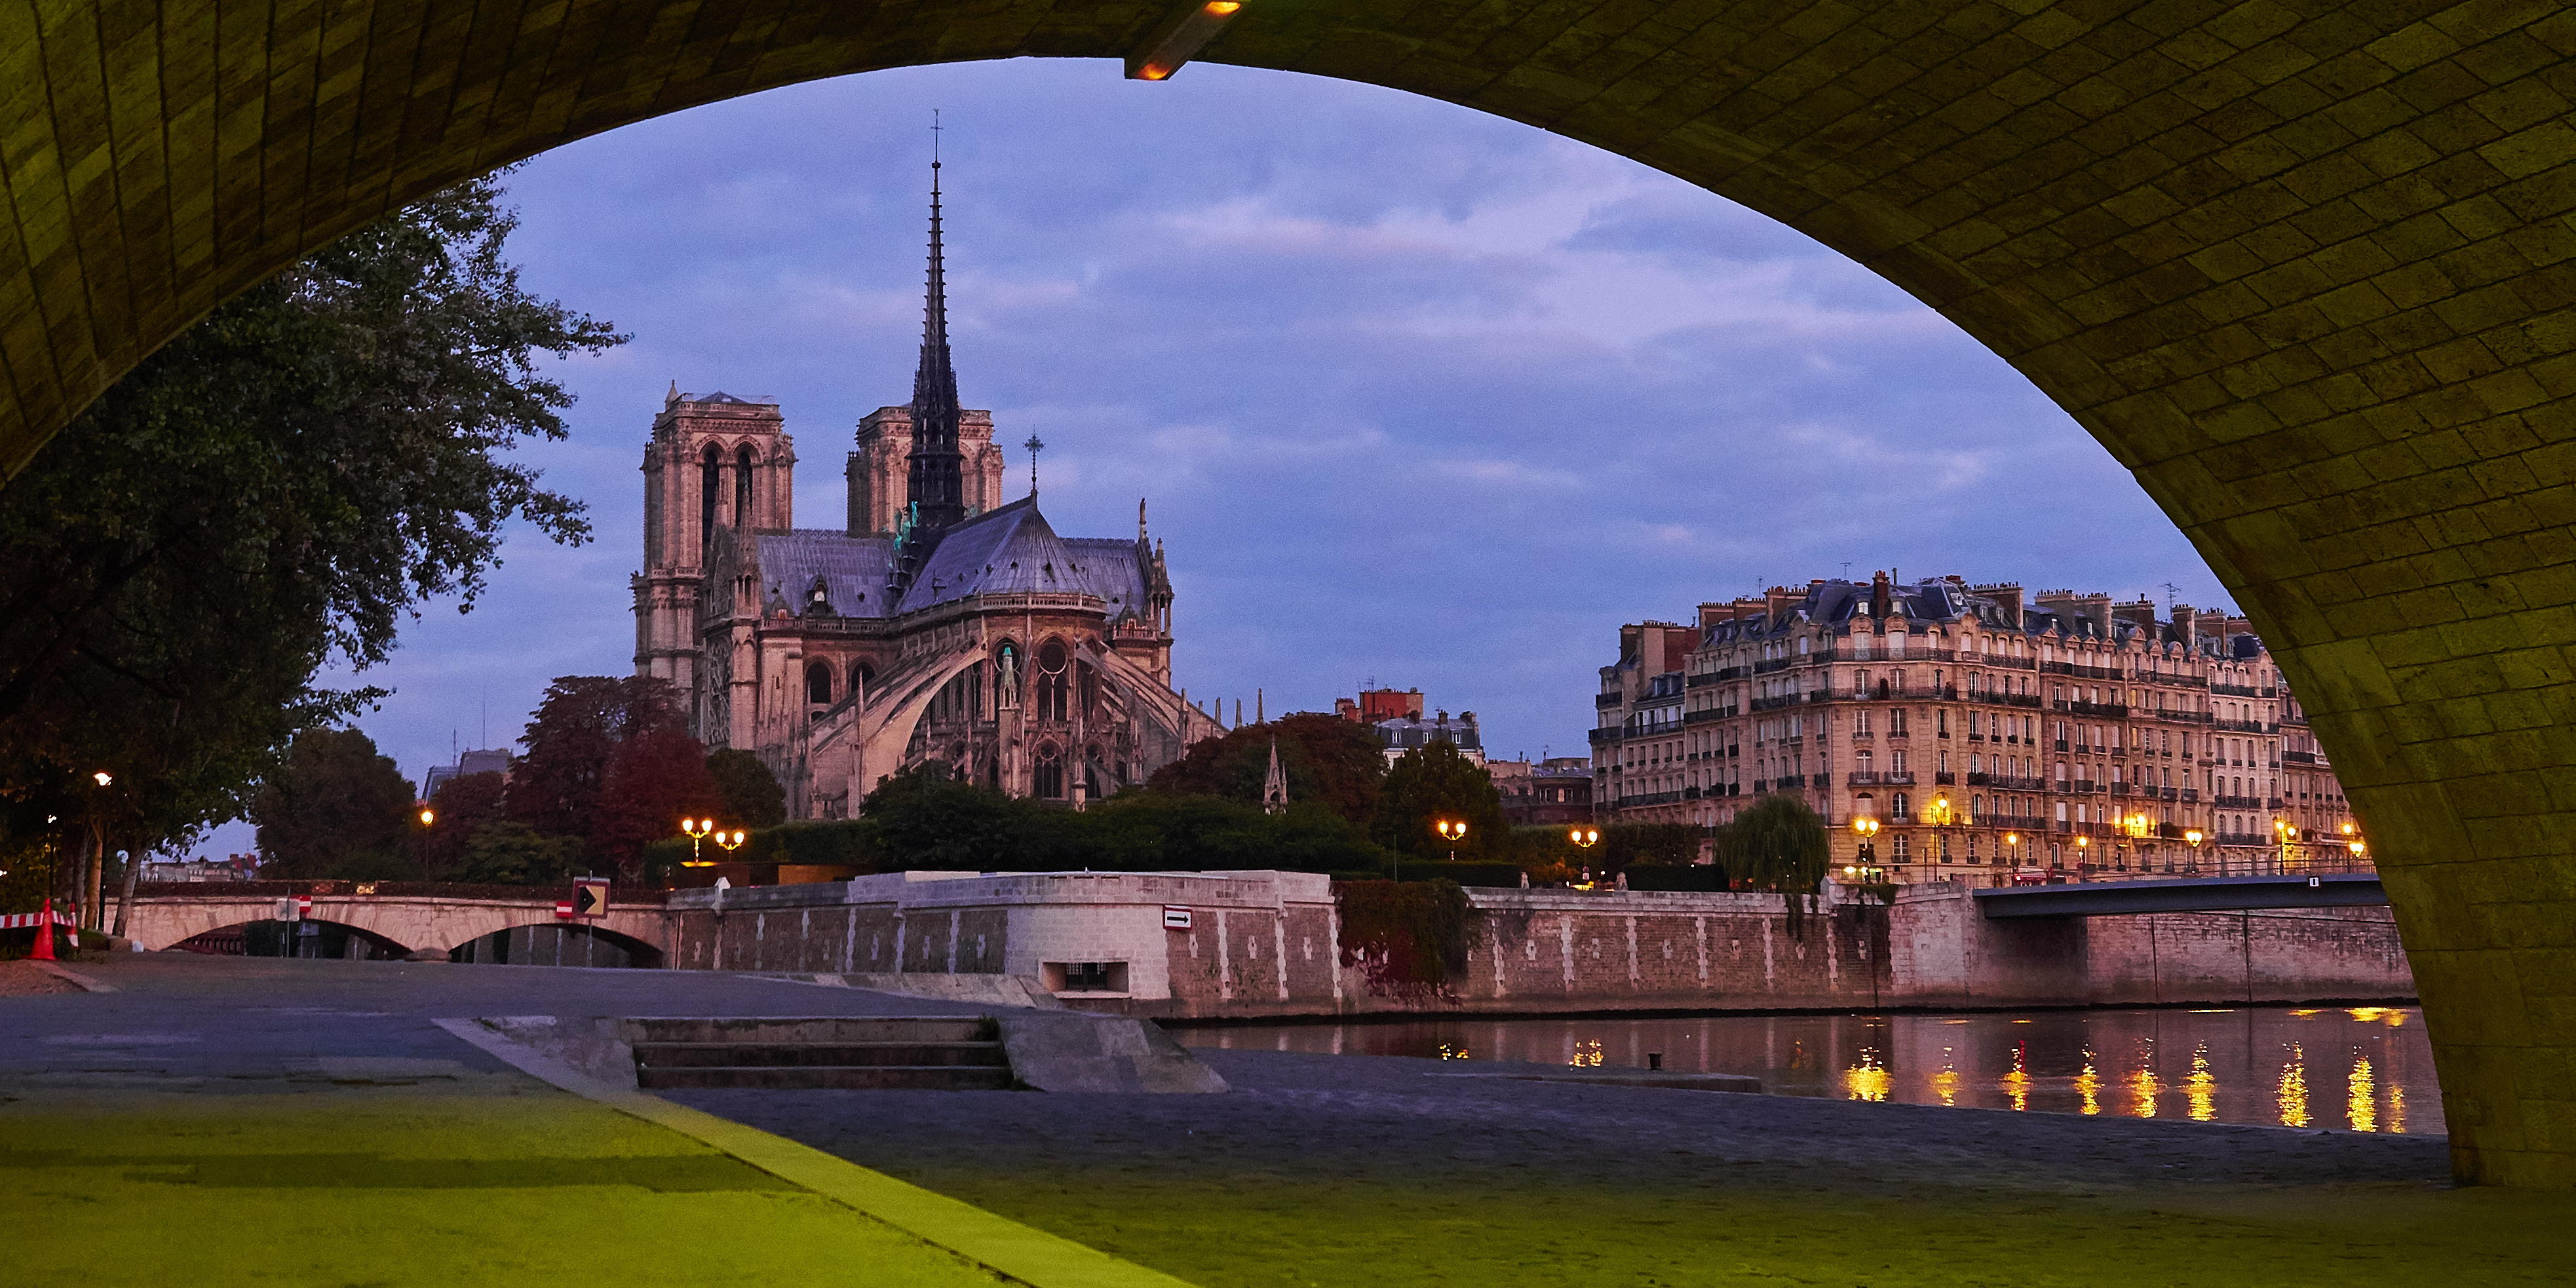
[1010, 550]
[1004, 551]
[853, 569]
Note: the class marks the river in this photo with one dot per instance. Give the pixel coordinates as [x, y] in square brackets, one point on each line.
[2362, 1068]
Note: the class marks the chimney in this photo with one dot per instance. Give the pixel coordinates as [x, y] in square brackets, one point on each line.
[1775, 600]
[2186, 623]
[2007, 597]
[1879, 602]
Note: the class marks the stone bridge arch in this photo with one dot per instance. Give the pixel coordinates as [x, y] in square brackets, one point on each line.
[2302, 267]
[440, 924]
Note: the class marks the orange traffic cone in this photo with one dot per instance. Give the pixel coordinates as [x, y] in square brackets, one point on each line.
[44, 951]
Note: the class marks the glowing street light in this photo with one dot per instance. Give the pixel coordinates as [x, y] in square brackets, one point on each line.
[428, 816]
[103, 778]
[1453, 832]
[697, 830]
[1584, 838]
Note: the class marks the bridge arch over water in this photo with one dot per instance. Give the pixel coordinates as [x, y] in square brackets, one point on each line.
[2301, 267]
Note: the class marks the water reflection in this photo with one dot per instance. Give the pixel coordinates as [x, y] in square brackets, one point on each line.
[2248, 1065]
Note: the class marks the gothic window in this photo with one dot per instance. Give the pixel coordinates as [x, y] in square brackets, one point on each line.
[1053, 681]
[1049, 784]
[818, 683]
[711, 476]
[742, 470]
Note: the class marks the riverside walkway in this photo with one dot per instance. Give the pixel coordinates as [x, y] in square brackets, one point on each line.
[220, 1121]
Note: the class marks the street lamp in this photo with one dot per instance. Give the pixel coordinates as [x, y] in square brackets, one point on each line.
[1584, 838]
[731, 841]
[2082, 843]
[2192, 837]
[103, 778]
[1866, 828]
[428, 816]
[1453, 833]
[697, 830]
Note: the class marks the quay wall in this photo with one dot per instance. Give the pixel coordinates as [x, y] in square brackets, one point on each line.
[1253, 945]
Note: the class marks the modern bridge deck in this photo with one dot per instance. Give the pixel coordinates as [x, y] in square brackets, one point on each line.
[2197, 894]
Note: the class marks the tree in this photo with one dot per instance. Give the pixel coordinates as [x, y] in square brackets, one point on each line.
[1433, 782]
[268, 493]
[572, 737]
[1336, 762]
[1778, 844]
[462, 806]
[510, 853]
[751, 794]
[336, 808]
[658, 777]
[927, 819]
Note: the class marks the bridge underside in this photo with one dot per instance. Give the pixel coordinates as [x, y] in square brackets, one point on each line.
[2302, 267]
[2213, 894]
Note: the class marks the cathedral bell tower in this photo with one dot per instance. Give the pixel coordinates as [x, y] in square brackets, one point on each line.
[716, 463]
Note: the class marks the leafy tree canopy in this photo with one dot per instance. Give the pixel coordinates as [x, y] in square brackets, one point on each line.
[1433, 782]
[1779, 843]
[658, 777]
[463, 806]
[1337, 763]
[751, 794]
[270, 492]
[335, 808]
[573, 737]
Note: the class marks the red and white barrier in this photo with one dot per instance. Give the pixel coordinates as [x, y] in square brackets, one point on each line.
[31, 920]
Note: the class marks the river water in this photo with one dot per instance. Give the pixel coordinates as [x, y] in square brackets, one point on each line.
[2362, 1068]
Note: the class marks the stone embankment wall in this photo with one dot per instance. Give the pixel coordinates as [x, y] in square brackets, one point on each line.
[1249, 945]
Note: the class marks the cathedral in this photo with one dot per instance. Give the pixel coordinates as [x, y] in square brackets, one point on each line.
[940, 624]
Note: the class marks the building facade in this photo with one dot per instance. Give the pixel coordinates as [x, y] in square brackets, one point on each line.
[1986, 735]
[1557, 790]
[940, 623]
[1397, 716]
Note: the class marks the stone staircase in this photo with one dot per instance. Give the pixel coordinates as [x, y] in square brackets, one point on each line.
[891, 1053]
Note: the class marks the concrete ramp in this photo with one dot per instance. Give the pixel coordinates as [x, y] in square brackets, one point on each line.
[1070, 1051]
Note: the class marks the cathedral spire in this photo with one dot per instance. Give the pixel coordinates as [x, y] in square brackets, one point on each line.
[936, 486]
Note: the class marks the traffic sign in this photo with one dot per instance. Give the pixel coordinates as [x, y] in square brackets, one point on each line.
[590, 897]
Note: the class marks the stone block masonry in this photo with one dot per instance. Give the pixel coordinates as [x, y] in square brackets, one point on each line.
[1250, 945]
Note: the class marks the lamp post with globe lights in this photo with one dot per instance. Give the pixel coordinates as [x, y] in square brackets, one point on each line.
[1865, 867]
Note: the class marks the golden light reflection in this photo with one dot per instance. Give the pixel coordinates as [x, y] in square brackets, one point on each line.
[2202, 1087]
[1448, 1052]
[2361, 1095]
[2088, 1084]
[1945, 1084]
[2397, 1108]
[2017, 1083]
[1867, 1080]
[2292, 1092]
[2143, 1089]
[2370, 1014]
[1587, 1055]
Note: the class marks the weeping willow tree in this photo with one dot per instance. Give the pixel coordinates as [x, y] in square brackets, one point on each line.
[1778, 844]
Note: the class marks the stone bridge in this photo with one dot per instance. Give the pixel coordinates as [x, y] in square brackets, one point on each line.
[413, 916]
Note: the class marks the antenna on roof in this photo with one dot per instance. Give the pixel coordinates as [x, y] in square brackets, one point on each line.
[2170, 591]
[1846, 570]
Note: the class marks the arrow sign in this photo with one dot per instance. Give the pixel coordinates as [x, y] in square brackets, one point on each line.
[590, 898]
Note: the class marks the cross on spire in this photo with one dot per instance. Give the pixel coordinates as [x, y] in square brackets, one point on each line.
[1035, 446]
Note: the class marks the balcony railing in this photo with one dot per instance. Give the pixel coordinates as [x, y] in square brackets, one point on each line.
[2103, 710]
[2237, 802]
[1604, 701]
[1879, 779]
[2244, 726]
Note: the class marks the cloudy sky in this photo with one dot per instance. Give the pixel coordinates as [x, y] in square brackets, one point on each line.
[1417, 395]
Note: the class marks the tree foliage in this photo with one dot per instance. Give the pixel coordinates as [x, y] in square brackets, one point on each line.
[1778, 844]
[268, 493]
[336, 808]
[462, 806]
[657, 777]
[1336, 763]
[751, 794]
[572, 738]
[1433, 782]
